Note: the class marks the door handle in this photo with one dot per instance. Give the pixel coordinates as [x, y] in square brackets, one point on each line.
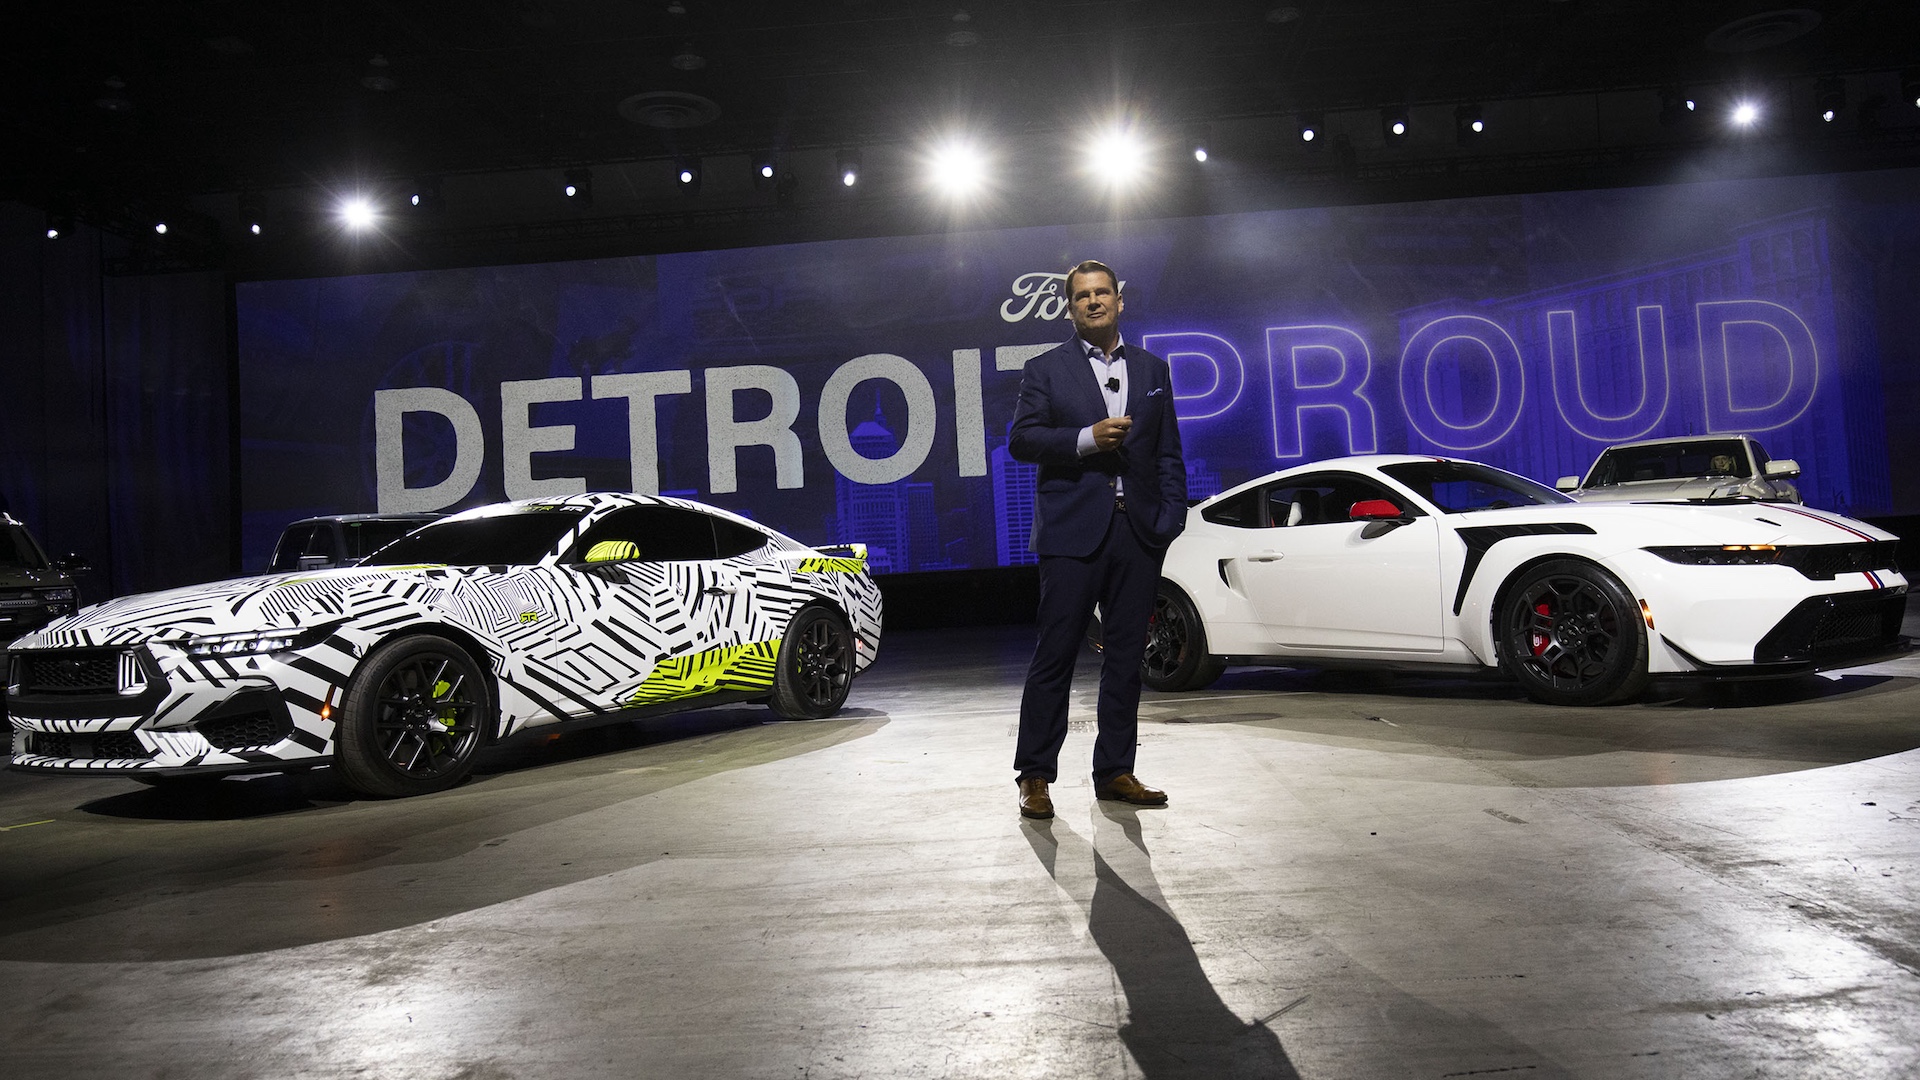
[1267, 556]
[721, 590]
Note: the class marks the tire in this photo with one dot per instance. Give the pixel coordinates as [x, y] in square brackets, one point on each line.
[815, 669]
[413, 718]
[1176, 656]
[1571, 634]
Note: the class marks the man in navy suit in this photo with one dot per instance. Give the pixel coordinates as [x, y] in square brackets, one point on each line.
[1097, 416]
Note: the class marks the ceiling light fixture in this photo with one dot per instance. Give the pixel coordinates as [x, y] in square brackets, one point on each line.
[1394, 123]
[1829, 99]
[1468, 124]
[578, 186]
[849, 162]
[1310, 125]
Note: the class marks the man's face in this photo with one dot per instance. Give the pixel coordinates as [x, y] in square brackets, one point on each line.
[1094, 302]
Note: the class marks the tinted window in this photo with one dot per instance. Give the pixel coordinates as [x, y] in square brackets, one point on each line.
[1669, 461]
[736, 539]
[293, 544]
[1242, 511]
[17, 549]
[366, 537]
[1457, 487]
[511, 539]
[662, 533]
[1322, 498]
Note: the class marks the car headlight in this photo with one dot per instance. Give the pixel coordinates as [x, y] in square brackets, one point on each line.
[1720, 555]
[254, 642]
[61, 595]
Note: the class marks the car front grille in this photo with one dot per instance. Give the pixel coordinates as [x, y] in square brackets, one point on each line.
[78, 672]
[248, 730]
[86, 745]
[1825, 628]
[1824, 562]
[69, 671]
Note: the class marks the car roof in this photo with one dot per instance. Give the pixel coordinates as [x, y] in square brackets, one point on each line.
[1720, 437]
[352, 518]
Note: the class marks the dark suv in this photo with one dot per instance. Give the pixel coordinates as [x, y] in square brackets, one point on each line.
[316, 543]
[34, 590]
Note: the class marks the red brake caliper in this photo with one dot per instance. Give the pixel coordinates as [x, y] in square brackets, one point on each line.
[1541, 640]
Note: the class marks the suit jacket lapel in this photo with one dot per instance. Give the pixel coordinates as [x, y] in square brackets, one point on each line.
[1083, 377]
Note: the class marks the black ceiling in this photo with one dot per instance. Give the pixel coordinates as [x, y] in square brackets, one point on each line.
[112, 106]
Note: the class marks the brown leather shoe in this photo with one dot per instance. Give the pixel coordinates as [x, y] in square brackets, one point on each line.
[1034, 802]
[1127, 788]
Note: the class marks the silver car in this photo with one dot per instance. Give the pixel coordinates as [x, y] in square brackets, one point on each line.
[1690, 468]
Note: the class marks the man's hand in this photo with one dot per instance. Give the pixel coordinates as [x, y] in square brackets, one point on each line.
[1109, 433]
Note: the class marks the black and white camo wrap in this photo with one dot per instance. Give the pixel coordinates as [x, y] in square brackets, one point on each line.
[562, 642]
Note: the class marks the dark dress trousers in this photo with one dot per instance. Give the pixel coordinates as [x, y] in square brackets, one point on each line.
[1091, 551]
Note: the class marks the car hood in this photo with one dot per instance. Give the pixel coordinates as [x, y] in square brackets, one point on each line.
[15, 577]
[1653, 524]
[1680, 488]
[236, 605]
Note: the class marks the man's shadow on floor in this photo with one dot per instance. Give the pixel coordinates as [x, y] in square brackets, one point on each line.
[1177, 1026]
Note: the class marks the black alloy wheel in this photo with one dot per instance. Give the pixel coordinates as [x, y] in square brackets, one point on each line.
[1176, 657]
[1572, 634]
[815, 670]
[413, 718]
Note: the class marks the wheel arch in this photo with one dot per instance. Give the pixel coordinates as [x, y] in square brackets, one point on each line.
[1488, 624]
[482, 657]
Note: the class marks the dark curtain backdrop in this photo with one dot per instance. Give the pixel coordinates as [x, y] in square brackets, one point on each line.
[114, 422]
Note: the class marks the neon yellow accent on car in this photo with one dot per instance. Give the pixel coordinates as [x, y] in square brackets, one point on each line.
[832, 566]
[529, 617]
[613, 551]
[733, 667]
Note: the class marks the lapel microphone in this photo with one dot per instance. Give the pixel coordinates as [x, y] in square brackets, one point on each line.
[1113, 383]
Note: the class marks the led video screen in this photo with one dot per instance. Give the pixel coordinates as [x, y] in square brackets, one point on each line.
[860, 390]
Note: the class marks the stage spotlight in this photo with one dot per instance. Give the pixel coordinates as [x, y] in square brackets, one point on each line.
[59, 224]
[763, 170]
[956, 168]
[160, 227]
[1745, 114]
[357, 212]
[252, 211]
[1393, 123]
[1468, 125]
[426, 195]
[849, 161]
[1117, 156]
[1311, 124]
[1910, 87]
[687, 173]
[578, 186]
[1829, 98]
[1676, 108]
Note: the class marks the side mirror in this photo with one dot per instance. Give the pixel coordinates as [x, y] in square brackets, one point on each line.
[72, 564]
[1567, 483]
[313, 562]
[1375, 510]
[1381, 516]
[1782, 469]
[607, 551]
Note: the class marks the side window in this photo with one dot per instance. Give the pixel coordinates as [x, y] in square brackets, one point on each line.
[1324, 499]
[1241, 511]
[661, 533]
[734, 538]
[293, 544]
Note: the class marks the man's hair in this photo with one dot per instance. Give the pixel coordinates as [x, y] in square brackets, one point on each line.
[1091, 266]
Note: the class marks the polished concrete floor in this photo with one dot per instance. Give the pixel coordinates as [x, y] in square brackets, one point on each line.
[1357, 877]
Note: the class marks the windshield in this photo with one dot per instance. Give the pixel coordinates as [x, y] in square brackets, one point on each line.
[518, 538]
[1671, 461]
[1458, 487]
[17, 549]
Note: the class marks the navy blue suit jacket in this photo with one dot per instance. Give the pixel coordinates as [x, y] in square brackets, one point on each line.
[1059, 396]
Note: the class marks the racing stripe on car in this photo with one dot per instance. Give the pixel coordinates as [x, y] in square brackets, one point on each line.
[1822, 520]
[1480, 538]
